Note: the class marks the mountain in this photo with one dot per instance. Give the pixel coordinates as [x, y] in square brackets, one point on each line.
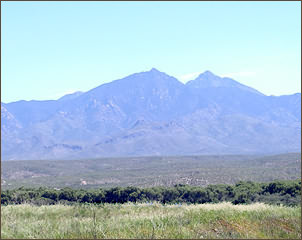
[152, 113]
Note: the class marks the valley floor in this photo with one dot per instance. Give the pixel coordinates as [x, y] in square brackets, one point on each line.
[151, 220]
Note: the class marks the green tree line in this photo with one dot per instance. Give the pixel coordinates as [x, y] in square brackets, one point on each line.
[276, 192]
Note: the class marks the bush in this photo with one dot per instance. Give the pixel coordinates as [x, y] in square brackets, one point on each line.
[277, 192]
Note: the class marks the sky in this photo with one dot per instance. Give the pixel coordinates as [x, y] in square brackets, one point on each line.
[49, 49]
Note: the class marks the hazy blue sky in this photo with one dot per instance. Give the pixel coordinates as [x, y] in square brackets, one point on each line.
[53, 48]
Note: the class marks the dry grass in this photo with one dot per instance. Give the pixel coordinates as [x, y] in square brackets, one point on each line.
[222, 220]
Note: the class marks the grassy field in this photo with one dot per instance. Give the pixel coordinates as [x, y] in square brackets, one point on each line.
[150, 171]
[222, 220]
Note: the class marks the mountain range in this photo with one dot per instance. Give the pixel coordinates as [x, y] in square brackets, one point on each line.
[152, 113]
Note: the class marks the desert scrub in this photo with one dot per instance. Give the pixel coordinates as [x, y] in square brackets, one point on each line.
[222, 220]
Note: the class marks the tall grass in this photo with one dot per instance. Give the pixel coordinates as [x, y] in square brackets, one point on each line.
[222, 220]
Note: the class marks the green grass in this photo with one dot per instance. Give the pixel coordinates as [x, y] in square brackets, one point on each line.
[222, 220]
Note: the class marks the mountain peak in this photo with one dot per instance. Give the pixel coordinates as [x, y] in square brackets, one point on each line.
[207, 74]
[154, 70]
[209, 80]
